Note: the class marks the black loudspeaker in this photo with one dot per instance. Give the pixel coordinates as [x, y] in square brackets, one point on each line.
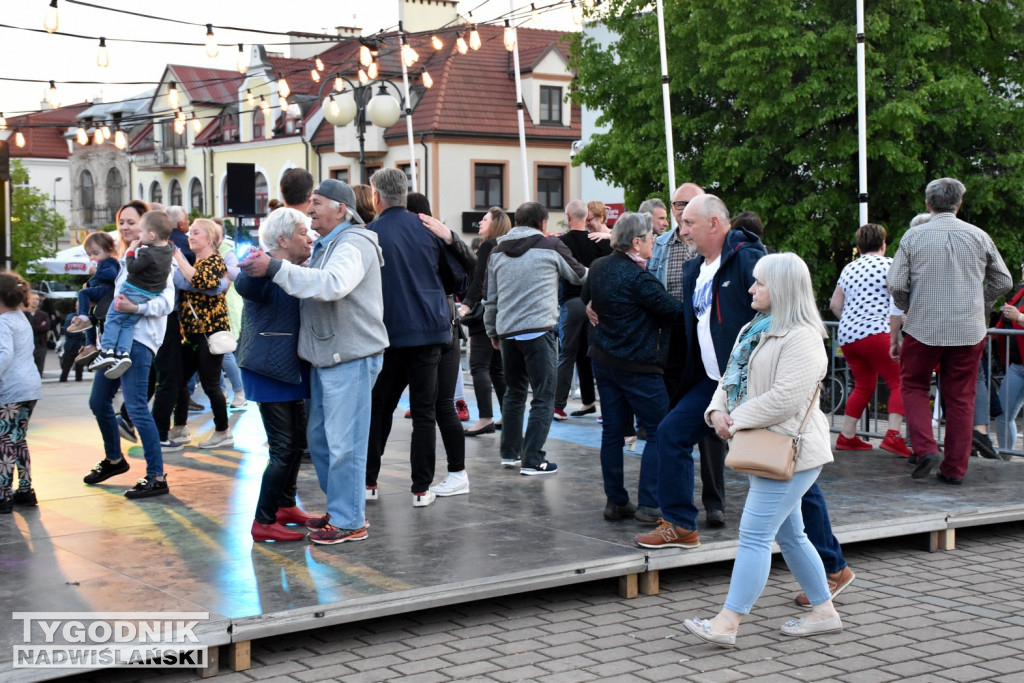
[241, 187]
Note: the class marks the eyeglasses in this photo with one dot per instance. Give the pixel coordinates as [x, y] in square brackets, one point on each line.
[679, 206]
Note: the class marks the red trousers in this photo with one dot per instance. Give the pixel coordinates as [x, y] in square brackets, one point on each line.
[868, 358]
[958, 382]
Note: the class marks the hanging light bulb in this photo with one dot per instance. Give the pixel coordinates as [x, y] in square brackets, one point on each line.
[364, 56]
[363, 78]
[197, 125]
[102, 56]
[265, 106]
[509, 37]
[52, 96]
[577, 12]
[436, 42]
[242, 60]
[371, 71]
[211, 45]
[283, 102]
[81, 136]
[319, 64]
[460, 45]
[333, 109]
[428, 82]
[3, 122]
[589, 4]
[172, 96]
[179, 126]
[250, 98]
[315, 75]
[50, 22]
[474, 38]
[282, 87]
[339, 83]
[105, 131]
[534, 14]
[120, 140]
[98, 137]
[19, 139]
[409, 55]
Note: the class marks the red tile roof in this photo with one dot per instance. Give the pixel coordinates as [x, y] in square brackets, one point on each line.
[44, 132]
[207, 86]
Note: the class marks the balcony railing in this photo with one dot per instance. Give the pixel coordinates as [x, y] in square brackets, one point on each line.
[161, 158]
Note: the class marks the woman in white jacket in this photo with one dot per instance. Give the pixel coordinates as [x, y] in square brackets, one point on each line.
[769, 382]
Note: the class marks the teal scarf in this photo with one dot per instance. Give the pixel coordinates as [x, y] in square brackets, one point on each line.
[735, 380]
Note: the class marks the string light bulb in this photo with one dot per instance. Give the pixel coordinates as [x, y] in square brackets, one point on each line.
[436, 42]
[81, 136]
[250, 98]
[460, 45]
[339, 83]
[428, 82]
[264, 106]
[474, 38]
[364, 56]
[283, 102]
[372, 71]
[211, 45]
[98, 137]
[105, 132]
[319, 64]
[335, 110]
[197, 125]
[102, 56]
[409, 55]
[534, 14]
[242, 60]
[120, 140]
[51, 21]
[509, 37]
[3, 122]
[52, 96]
[577, 12]
[363, 78]
[172, 96]
[315, 75]
[19, 139]
[282, 87]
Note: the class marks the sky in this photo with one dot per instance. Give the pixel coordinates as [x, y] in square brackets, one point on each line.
[42, 56]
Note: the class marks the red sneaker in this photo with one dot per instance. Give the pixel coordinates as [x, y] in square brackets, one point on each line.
[560, 414]
[463, 410]
[894, 443]
[408, 415]
[854, 444]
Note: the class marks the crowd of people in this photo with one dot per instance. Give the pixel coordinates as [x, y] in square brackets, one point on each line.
[685, 334]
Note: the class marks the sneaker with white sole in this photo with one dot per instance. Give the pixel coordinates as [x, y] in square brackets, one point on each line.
[239, 400]
[454, 484]
[126, 430]
[118, 368]
[217, 440]
[81, 323]
[179, 433]
[510, 464]
[171, 446]
[422, 500]
[371, 493]
[104, 360]
[543, 468]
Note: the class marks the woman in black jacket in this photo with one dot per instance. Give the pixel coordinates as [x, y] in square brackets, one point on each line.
[484, 359]
[627, 350]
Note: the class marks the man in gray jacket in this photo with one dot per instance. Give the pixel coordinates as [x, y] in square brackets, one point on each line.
[520, 316]
[343, 337]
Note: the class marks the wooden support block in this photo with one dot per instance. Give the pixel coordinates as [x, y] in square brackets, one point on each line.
[946, 539]
[649, 583]
[933, 541]
[212, 663]
[238, 656]
[628, 586]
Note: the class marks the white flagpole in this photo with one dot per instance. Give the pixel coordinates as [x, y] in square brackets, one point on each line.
[669, 151]
[862, 122]
[519, 113]
[408, 101]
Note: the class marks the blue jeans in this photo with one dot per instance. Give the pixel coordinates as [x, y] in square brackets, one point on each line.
[772, 512]
[528, 364]
[90, 295]
[134, 386]
[119, 328]
[624, 393]
[1012, 396]
[338, 431]
[681, 429]
[231, 371]
[818, 528]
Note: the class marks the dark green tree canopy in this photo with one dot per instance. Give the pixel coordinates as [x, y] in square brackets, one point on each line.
[764, 112]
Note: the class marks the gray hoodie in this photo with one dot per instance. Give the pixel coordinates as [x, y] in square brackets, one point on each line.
[342, 310]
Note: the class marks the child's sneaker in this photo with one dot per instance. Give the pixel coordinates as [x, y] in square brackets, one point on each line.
[103, 361]
[86, 355]
[123, 362]
[79, 324]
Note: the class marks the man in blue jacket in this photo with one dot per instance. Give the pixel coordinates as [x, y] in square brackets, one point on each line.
[416, 275]
[716, 304]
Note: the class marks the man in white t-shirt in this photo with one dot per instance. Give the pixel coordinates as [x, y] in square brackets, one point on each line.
[715, 293]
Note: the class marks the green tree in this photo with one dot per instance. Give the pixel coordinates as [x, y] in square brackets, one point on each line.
[764, 106]
[35, 227]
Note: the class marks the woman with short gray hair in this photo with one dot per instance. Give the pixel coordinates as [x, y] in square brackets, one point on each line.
[280, 223]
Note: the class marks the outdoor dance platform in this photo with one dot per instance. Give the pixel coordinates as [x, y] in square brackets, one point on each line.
[88, 549]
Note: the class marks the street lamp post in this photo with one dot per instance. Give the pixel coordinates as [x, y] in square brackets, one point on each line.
[357, 103]
[5, 198]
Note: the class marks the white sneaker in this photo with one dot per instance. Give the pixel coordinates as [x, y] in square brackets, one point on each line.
[422, 500]
[179, 433]
[371, 493]
[119, 367]
[217, 440]
[239, 400]
[454, 484]
[509, 464]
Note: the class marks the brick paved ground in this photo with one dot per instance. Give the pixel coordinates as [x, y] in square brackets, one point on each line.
[910, 616]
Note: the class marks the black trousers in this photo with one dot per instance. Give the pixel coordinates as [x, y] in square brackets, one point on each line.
[485, 366]
[449, 371]
[285, 425]
[196, 356]
[167, 365]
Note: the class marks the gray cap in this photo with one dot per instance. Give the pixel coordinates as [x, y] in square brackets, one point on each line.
[339, 191]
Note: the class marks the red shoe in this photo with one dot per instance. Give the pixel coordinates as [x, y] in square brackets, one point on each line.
[408, 415]
[463, 410]
[274, 532]
[560, 414]
[854, 444]
[294, 515]
[894, 443]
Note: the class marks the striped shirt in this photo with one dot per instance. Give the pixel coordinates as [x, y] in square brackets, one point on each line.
[946, 275]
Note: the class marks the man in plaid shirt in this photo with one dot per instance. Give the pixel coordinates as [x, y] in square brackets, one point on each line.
[946, 275]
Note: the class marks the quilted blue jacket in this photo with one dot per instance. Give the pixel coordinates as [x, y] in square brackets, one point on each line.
[269, 343]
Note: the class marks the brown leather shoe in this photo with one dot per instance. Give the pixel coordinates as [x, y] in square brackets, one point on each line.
[836, 584]
[668, 535]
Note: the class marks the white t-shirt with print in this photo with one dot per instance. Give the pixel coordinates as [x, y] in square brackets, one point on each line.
[702, 298]
[866, 301]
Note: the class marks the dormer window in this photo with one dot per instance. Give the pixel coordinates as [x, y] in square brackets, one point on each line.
[550, 104]
[229, 127]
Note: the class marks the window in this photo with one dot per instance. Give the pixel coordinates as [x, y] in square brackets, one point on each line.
[87, 197]
[261, 194]
[115, 191]
[551, 186]
[195, 193]
[340, 174]
[175, 193]
[407, 170]
[370, 170]
[550, 104]
[488, 183]
[257, 124]
[229, 127]
[156, 193]
[141, 193]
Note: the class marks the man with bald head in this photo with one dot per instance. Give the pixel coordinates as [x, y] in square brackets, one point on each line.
[716, 305]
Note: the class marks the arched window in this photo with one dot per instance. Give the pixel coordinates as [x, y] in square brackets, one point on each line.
[156, 193]
[141, 194]
[87, 197]
[261, 194]
[195, 193]
[115, 191]
[175, 193]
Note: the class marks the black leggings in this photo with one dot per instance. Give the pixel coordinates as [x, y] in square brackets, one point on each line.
[485, 366]
[196, 356]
